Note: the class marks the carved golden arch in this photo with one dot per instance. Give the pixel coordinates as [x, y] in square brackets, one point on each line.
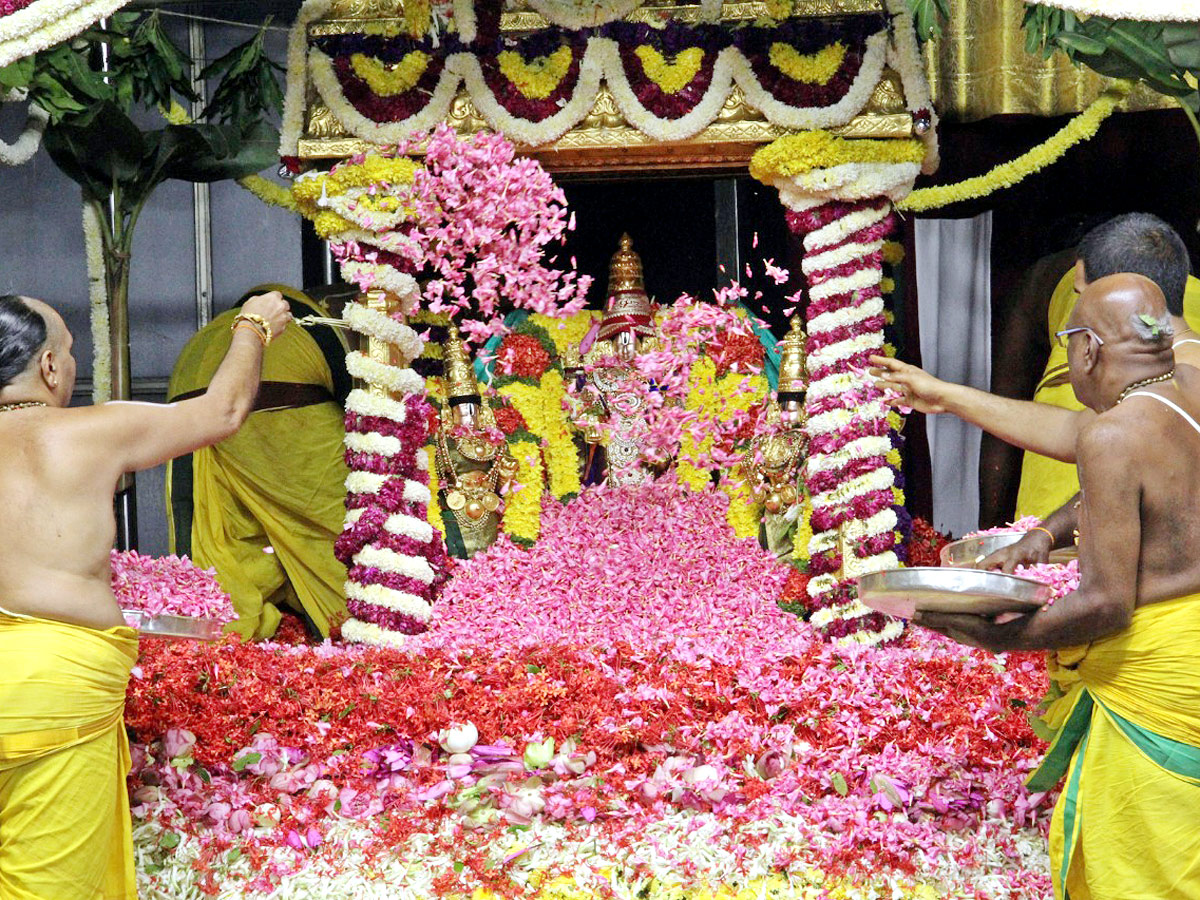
[604, 142]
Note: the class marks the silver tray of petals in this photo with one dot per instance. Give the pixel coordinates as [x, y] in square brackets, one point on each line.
[970, 552]
[903, 592]
[178, 628]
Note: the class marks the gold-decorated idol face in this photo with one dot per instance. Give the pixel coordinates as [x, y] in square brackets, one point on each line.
[465, 414]
[626, 343]
[792, 412]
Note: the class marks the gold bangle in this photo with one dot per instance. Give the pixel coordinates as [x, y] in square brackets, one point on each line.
[258, 322]
[1049, 533]
[253, 329]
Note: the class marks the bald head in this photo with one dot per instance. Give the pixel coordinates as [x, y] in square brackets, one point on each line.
[1125, 307]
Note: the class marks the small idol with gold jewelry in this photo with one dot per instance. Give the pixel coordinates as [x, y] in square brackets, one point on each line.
[774, 461]
[610, 415]
[474, 466]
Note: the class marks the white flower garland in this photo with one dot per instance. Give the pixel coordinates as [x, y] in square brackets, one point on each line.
[399, 284]
[840, 230]
[365, 482]
[397, 601]
[93, 245]
[846, 316]
[394, 379]
[47, 23]
[396, 563]
[844, 284]
[324, 79]
[840, 419]
[838, 256]
[831, 353]
[864, 447]
[811, 118]
[660, 129]
[296, 92]
[357, 631]
[582, 99]
[880, 479]
[381, 326]
[364, 403]
[904, 55]
[403, 525]
[26, 145]
[849, 181]
[373, 442]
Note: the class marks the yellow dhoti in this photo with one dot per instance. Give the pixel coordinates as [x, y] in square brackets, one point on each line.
[1127, 825]
[65, 832]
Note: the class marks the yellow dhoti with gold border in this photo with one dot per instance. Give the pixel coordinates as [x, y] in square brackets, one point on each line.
[1127, 739]
[65, 831]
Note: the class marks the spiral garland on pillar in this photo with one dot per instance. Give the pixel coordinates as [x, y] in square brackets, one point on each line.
[396, 561]
[839, 195]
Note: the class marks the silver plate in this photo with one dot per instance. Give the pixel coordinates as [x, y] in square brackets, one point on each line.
[970, 552]
[180, 627]
[902, 592]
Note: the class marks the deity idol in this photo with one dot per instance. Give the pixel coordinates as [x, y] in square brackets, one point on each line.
[474, 466]
[774, 461]
[613, 418]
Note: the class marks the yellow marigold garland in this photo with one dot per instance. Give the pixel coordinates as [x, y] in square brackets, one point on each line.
[795, 154]
[893, 252]
[433, 509]
[523, 509]
[802, 536]
[539, 78]
[565, 332]
[670, 77]
[388, 81]
[744, 514]
[269, 192]
[811, 68]
[562, 456]
[1080, 128]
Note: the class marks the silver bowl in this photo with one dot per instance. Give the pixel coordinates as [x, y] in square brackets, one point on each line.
[903, 592]
[180, 628]
[970, 552]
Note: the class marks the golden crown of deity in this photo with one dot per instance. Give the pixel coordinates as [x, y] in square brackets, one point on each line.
[459, 372]
[792, 379]
[628, 307]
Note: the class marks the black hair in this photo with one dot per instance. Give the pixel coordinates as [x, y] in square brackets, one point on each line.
[1142, 244]
[22, 335]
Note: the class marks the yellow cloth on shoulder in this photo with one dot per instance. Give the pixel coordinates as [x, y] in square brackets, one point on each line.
[65, 831]
[277, 485]
[1128, 741]
[1046, 484]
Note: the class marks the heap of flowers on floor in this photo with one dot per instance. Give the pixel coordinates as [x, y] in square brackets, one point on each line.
[622, 710]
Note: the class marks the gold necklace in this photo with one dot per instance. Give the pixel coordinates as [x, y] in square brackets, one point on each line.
[1165, 376]
[24, 404]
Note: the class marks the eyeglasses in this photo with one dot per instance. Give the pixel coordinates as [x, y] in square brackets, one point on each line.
[1061, 336]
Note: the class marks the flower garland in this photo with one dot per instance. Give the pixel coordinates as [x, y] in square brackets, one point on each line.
[837, 192]
[577, 14]
[814, 68]
[523, 504]
[27, 26]
[1081, 128]
[904, 55]
[27, 143]
[534, 94]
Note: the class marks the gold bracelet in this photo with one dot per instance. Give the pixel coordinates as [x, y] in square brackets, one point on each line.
[253, 329]
[1048, 532]
[257, 321]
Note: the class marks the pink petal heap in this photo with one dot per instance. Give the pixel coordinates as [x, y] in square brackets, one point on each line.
[168, 585]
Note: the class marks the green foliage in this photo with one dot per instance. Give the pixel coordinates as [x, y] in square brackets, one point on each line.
[93, 136]
[1161, 55]
[928, 16]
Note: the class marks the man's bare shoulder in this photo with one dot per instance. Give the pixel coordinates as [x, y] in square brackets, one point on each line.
[1122, 429]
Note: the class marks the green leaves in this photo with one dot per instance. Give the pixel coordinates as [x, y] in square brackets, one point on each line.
[928, 16]
[248, 87]
[1160, 55]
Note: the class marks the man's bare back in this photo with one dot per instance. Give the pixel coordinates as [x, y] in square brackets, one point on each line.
[59, 467]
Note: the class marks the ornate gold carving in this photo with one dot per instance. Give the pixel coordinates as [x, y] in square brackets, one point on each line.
[657, 13]
[888, 96]
[323, 124]
[366, 9]
[894, 125]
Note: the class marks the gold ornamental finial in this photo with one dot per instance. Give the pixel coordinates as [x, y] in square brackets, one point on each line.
[625, 269]
[791, 360]
[459, 372]
[628, 308]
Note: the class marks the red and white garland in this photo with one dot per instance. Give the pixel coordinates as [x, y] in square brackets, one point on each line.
[844, 212]
[396, 561]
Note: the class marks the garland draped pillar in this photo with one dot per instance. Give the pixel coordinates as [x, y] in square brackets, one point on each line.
[396, 561]
[839, 196]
